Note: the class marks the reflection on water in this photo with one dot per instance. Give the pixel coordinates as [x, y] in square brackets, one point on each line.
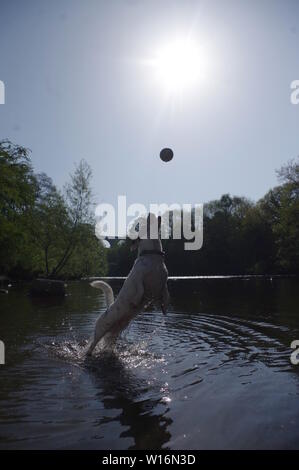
[214, 373]
[119, 388]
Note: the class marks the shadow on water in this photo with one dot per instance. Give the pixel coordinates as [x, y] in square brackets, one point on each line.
[119, 388]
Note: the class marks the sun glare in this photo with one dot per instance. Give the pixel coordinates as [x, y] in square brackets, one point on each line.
[179, 65]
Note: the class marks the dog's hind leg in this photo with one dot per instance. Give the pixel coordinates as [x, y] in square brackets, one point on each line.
[99, 332]
[91, 347]
[96, 339]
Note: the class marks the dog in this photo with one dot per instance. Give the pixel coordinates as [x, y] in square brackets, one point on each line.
[146, 283]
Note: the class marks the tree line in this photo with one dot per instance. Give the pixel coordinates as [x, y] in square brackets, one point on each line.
[44, 231]
[239, 236]
[48, 232]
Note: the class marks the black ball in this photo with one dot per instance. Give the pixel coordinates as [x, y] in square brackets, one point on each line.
[166, 155]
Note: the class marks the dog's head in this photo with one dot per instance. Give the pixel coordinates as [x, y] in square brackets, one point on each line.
[149, 233]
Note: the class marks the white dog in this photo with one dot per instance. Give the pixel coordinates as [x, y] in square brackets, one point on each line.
[146, 282]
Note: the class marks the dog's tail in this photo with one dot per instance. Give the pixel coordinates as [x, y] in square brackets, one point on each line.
[108, 292]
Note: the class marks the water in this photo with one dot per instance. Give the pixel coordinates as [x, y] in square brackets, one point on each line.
[214, 373]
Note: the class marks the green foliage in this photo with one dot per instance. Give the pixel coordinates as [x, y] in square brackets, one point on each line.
[17, 197]
[77, 202]
[47, 224]
[239, 237]
[120, 257]
[43, 231]
[281, 208]
[88, 257]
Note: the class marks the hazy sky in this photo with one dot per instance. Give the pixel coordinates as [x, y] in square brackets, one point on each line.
[78, 85]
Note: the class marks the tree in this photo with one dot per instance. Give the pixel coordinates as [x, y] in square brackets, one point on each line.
[63, 229]
[48, 221]
[224, 236]
[77, 202]
[17, 197]
[42, 230]
[280, 207]
[88, 258]
[289, 173]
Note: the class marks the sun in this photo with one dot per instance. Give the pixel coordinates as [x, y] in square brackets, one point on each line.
[179, 65]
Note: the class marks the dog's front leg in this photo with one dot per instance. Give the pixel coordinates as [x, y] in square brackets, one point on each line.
[91, 347]
[99, 332]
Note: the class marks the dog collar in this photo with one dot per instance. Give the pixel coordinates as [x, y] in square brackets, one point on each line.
[152, 252]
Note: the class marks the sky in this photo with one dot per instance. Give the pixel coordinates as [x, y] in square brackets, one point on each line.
[81, 81]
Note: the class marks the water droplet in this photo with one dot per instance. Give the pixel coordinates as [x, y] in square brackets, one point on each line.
[166, 399]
